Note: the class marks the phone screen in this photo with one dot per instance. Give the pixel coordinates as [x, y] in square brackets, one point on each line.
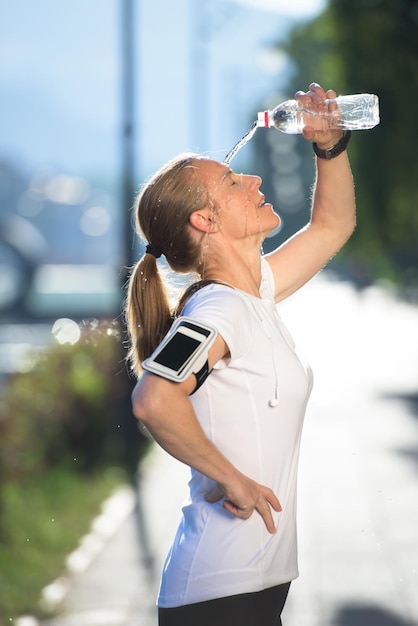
[177, 351]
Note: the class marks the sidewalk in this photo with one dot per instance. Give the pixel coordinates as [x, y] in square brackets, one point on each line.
[118, 587]
[358, 494]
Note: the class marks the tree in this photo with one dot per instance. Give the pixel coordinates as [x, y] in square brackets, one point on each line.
[372, 46]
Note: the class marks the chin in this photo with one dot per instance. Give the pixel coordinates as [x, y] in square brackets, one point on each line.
[276, 222]
[275, 229]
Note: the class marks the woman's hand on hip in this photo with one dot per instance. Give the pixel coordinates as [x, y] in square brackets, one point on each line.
[245, 496]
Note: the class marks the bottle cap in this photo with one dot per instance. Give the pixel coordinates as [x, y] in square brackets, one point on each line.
[263, 119]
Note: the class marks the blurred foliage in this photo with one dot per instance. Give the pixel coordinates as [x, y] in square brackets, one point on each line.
[371, 46]
[71, 409]
[67, 438]
[44, 519]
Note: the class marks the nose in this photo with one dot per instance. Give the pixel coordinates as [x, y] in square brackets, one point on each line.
[254, 182]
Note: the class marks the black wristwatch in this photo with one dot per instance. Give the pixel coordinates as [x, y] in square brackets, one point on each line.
[333, 152]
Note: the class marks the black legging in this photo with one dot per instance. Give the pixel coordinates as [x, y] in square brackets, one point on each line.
[262, 608]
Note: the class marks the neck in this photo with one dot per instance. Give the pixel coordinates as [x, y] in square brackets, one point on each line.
[244, 276]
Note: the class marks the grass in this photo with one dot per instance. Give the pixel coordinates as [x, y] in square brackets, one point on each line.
[43, 521]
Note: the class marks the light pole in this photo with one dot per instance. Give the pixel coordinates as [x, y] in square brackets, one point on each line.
[128, 129]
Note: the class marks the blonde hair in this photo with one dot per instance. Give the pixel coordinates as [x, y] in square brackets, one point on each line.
[162, 214]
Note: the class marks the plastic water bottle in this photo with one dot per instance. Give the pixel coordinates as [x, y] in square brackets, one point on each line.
[356, 112]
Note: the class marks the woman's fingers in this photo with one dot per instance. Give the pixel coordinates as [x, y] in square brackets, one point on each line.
[252, 497]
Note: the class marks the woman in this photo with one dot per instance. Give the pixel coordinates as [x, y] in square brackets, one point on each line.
[234, 554]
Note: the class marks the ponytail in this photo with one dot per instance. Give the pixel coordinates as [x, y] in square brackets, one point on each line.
[148, 312]
[163, 210]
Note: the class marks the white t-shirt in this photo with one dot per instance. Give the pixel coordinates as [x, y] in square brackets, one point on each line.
[215, 554]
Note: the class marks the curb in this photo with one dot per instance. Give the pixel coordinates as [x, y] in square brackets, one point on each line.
[114, 511]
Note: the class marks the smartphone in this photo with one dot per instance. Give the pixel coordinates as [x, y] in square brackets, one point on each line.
[183, 351]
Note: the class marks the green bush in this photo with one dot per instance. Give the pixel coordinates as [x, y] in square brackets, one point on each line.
[44, 518]
[67, 437]
[72, 409]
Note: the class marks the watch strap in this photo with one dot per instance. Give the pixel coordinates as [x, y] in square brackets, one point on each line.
[333, 152]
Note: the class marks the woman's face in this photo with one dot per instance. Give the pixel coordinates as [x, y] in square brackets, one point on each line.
[239, 207]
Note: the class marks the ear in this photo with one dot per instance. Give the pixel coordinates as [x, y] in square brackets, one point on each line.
[204, 221]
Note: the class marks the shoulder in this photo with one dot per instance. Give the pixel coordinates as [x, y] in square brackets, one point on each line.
[224, 308]
[216, 302]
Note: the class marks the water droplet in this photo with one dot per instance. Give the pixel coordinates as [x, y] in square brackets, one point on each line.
[52, 520]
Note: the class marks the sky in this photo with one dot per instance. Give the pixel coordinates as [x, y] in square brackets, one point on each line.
[298, 8]
[202, 70]
[196, 83]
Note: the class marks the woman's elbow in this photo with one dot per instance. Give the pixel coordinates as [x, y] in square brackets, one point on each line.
[137, 404]
[149, 400]
[350, 228]
[143, 402]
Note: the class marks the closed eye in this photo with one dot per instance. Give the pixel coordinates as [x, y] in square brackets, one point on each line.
[230, 177]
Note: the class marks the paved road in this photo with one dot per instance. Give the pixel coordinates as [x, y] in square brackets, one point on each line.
[358, 494]
[358, 507]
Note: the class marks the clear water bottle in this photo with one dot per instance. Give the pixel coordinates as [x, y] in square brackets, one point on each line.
[356, 112]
